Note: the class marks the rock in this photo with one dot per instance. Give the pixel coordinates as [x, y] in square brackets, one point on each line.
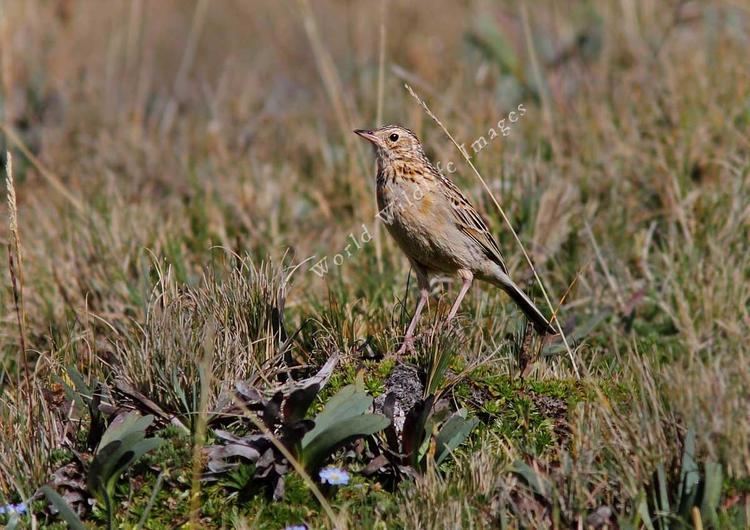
[405, 384]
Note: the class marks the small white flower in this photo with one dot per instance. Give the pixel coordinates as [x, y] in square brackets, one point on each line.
[334, 476]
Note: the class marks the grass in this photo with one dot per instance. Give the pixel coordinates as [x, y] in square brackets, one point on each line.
[176, 172]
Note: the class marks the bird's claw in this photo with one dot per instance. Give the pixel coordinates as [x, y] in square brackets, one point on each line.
[406, 347]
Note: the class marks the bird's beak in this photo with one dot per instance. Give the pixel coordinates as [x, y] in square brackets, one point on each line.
[367, 135]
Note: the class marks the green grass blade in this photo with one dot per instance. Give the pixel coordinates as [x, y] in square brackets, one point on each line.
[66, 512]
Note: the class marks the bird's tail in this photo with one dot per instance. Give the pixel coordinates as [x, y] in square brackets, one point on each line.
[531, 311]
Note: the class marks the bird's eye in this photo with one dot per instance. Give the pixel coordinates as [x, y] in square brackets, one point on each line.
[393, 137]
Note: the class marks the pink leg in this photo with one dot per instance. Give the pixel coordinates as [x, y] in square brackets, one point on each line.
[424, 294]
[468, 277]
[408, 343]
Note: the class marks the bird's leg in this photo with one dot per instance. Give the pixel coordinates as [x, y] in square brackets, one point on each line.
[408, 344]
[423, 282]
[468, 277]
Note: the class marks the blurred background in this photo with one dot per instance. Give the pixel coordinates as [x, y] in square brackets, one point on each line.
[275, 83]
[152, 140]
[183, 125]
[252, 103]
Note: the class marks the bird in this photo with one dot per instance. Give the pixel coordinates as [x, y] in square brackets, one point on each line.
[436, 226]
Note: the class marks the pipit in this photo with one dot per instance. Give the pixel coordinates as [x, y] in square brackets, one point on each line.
[436, 226]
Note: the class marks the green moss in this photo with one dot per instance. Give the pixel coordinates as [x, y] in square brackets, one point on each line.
[529, 413]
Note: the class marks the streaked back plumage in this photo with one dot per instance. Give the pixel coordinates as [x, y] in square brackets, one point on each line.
[440, 232]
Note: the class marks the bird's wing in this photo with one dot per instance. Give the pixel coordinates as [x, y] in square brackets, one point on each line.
[471, 223]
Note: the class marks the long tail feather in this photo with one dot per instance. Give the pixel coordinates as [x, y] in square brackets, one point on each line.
[531, 311]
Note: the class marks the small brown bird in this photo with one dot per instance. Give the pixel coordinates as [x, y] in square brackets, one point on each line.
[436, 226]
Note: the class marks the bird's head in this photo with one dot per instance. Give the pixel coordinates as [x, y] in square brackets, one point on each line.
[393, 142]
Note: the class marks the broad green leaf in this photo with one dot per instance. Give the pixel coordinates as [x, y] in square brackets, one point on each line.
[453, 434]
[129, 456]
[131, 423]
[100, 468]
[104, 468]
[347, 403]
[66, 512]
[324, 443]
[120, 446]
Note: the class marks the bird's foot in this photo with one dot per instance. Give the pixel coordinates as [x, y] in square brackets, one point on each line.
[406, 347]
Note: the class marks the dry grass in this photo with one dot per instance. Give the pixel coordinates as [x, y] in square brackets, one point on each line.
[174, 166]
[238, 319]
